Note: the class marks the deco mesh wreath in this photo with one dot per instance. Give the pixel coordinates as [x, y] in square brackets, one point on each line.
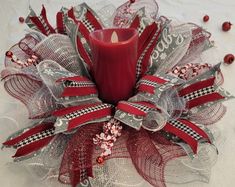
[81, 140]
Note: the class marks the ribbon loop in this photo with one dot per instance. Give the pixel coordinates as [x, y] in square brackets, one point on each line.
[40, 22]
[72, 117]
[203, 90]
[133, 113]
[78, 86]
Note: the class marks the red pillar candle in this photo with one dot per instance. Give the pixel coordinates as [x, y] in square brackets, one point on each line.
[114, 55]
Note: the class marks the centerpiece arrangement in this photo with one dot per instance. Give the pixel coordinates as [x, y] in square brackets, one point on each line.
[99, 96]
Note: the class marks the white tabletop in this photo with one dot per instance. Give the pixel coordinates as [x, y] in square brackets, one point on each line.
[184, 10]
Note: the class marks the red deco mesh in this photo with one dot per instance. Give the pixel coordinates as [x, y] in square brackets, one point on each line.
[149, 153]
[23, 83]
[77, 164]
[31, 93]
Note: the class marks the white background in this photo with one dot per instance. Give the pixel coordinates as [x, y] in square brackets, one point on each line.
[11, 31]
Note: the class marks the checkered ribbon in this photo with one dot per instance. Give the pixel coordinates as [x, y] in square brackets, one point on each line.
[75, 116]
[135, 108]
[133, 113]
[41, 23]
[148, 35]
[35, 137]
[149, 83]
[187, 131]
[137, 25]
[200, 92]
[88, 25]
[77, 86]
[31, 139]
[147, 42]
[85, 26]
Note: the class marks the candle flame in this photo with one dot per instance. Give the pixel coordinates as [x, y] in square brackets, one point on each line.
[114, 37]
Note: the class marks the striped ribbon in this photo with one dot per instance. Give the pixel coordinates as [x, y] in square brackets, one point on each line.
[200, 93]
[30, 140]
[42, 23]
[33, 139]
[133, 113]
[75, 116]
[187, 131]
[77, 86]
[150, 82]
[85, 26]
[148, 36]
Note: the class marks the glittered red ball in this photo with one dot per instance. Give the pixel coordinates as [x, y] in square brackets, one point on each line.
[21, 19]
[206, 18]
[226, 26]
[9, 54]
[228, 59]
[100, 160]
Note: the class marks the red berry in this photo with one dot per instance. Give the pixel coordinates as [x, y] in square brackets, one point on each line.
[9, 54]
[228, 59]
[226, 26]
[206, 18]
[100, 160]
[21, 19]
